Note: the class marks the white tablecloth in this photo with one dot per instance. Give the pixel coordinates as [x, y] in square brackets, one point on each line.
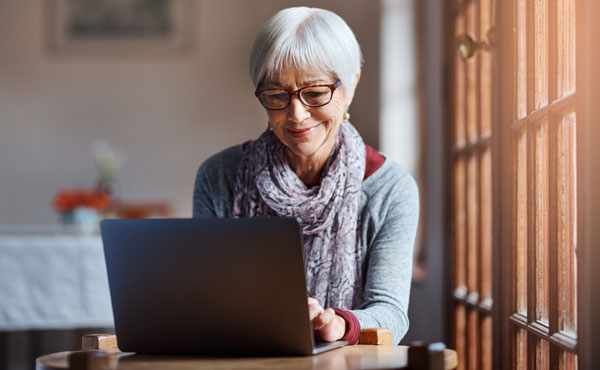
[53, 281]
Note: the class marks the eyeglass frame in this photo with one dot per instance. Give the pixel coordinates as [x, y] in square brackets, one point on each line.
[291, 94]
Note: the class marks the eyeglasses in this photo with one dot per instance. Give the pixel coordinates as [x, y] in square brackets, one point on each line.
[311, 96]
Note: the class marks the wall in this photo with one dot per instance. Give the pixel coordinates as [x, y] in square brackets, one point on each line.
[167, 114]
[427, 311]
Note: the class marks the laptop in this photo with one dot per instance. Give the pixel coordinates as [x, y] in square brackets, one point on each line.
[209, 287]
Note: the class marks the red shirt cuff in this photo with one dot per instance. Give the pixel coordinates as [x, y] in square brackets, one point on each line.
[352, 325]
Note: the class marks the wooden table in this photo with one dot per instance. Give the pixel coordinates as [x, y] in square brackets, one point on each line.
[349, 357]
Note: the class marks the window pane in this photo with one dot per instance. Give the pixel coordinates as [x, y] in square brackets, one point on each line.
[460, 319]
[567, 361]
[485, 73]
[520, 349]
[472, 93]
[486, 342]
[459, 88]
[486, 225]
[542, 355]
[521, 52]
[567, 292]
[565, 62]
[540, 53]
[520, 199]
[540, 221]
[473, 339]
[460, 218]
[472, 224]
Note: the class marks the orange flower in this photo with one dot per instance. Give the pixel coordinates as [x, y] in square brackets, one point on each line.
[68, 200]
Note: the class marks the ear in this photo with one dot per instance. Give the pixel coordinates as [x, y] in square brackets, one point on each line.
[350, 92]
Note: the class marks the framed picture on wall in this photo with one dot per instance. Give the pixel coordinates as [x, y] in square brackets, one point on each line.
[119, 27]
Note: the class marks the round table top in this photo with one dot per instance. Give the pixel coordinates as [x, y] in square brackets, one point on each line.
[355, 357]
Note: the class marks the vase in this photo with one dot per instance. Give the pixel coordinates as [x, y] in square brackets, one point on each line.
[83, 218]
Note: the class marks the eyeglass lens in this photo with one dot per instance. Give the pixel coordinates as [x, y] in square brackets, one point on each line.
[314, 96]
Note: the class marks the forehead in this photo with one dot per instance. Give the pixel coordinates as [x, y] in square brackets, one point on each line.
[292, 77]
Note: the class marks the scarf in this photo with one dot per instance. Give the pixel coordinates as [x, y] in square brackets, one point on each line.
[328, 213]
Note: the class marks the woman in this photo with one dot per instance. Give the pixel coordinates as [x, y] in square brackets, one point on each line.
[358, 210]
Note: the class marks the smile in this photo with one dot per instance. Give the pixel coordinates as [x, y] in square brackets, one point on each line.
[304, 132]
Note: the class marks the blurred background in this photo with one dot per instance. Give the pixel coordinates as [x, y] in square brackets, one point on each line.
[132, 96]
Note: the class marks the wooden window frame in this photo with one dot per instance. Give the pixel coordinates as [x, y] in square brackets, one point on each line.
[588, 179]
[586, 104]
[588, 167]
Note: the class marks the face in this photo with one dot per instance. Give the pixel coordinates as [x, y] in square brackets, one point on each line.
[307, 131]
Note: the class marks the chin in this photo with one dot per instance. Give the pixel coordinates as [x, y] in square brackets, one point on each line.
[304, 149]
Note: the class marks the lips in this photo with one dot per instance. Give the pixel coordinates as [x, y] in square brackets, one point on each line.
[302, 132]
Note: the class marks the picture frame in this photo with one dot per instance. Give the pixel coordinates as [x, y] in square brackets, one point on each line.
[119, 27]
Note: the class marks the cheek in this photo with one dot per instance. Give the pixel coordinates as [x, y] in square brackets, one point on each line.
[275, 118]
[333, 114]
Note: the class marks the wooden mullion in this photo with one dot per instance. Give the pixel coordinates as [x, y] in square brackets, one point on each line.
[531, 352]
[538, 329]
[531, 261]
[553, 137]
[465, 123]
[479, 186]
[507, 112]
[538, 114]
[564, 105]
[486, 305]
[552, 51]
[465, 262]
[564, 341]
[530, 26]
[519, 319]
[472, 191]
[560, 107]
[470, 147]
[518, 124]
[554, 278]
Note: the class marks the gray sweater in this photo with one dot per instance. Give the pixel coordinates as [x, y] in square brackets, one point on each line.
[389, 208]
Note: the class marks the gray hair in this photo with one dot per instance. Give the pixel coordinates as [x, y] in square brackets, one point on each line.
[306, 38]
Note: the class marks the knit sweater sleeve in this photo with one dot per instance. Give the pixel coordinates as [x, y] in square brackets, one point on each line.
[393, 210]
[215, 184]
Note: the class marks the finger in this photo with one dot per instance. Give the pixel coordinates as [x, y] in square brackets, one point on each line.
[314, 310]
[324, 319]
[333, 331]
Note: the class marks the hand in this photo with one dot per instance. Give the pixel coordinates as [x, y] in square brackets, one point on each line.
[328, 326]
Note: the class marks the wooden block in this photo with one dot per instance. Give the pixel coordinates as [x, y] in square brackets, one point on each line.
[98, 341]
[379, 336]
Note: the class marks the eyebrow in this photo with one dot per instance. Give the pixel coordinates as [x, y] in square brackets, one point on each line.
[305, 83]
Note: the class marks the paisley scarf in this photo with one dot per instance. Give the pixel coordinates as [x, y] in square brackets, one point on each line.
[328, 213]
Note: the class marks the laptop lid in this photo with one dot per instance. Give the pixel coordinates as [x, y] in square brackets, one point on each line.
[208, 286]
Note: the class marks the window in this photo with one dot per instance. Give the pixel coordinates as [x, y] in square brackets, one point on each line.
[514, 152]
[471, 200]
[540, 122]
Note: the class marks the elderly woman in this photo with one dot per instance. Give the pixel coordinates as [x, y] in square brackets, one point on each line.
[358, 210]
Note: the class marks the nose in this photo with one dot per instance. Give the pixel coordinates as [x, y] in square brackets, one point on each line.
[297, 112]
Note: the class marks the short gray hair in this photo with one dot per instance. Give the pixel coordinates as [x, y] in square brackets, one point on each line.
[306, 38]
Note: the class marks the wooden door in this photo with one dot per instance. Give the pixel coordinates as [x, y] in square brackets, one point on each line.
[514, 180]
[470, 168]
[538, 120]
